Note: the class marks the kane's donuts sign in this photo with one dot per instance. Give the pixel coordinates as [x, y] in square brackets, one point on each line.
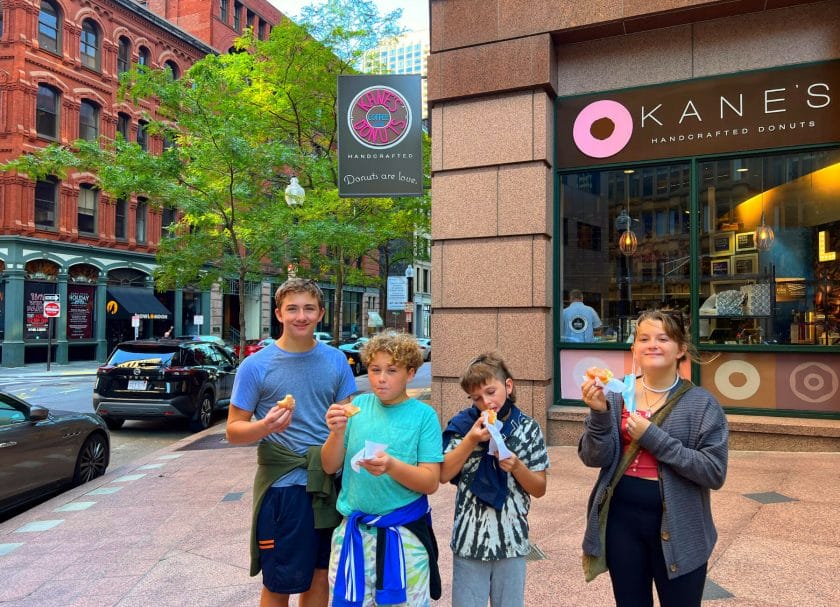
[379, 117]
[744, 111]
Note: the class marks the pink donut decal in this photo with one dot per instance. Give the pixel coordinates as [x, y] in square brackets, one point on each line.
[612, 145]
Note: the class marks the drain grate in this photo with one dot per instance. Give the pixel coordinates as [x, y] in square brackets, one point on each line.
[211, 441]
[770, 497]
[536, 554]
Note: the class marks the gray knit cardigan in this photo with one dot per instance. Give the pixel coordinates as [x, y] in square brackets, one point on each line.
[692, 450]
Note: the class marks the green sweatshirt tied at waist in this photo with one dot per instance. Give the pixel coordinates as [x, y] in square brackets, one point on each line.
[274, 461]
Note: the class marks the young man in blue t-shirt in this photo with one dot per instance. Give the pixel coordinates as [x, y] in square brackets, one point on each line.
[289, 544]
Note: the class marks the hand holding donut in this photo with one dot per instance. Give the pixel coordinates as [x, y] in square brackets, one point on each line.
[593, 395]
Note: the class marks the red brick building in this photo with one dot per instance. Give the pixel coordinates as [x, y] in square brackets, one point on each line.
[59, 70]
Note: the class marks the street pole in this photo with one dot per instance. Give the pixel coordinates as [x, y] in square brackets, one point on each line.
[409, 308]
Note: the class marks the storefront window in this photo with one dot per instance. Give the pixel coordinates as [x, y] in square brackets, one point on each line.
[606, 281]
[770, 242]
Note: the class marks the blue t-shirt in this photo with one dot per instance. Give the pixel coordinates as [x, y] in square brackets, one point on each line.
[580, 322]
[317, 379]
[412, 432]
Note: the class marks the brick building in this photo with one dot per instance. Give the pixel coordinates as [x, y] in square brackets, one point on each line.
[59, 72]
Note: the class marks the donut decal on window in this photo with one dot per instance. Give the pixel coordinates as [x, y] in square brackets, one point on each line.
[602, 129]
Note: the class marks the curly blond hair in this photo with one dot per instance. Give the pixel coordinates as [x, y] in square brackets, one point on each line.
[401, 347]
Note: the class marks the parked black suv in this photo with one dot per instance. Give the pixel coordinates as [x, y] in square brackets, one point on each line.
[147, 379]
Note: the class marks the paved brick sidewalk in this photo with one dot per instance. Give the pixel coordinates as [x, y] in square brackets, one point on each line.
[171, 529]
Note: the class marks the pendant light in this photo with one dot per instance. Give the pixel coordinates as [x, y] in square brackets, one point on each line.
[764, 236]
[627, 242]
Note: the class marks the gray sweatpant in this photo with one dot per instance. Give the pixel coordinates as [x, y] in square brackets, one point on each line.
[474, 581]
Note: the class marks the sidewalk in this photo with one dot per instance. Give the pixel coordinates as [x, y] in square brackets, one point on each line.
[171, 530]
[83, 367]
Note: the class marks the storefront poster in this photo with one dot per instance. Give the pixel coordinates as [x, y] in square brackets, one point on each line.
[80, 302]
[754, 110]
[36, 322]
[380, 149]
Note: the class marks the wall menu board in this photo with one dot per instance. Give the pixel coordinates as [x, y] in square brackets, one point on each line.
[33, 301]
[80, 302]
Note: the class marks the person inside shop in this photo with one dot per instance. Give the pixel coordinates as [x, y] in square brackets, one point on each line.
[294, 502]
[581, 323]
[661, 441]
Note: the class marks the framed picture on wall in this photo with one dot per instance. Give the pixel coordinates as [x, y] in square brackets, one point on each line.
[745, 264]
[721, 243]
[720, 267]
[745, 241]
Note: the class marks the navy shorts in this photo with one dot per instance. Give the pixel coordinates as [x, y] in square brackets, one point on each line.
[290, 546]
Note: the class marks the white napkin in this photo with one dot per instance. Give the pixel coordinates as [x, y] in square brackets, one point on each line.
[497, 443]
[367, 452]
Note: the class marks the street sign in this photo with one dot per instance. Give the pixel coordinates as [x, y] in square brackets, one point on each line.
[397, 292]
[135, 320]
[50, 297]
[409, 307]
[52, 309]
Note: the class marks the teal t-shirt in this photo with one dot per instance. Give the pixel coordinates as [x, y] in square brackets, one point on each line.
[412, 432]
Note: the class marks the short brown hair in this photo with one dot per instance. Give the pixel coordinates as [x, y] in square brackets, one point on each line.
[484, 368]
[401, 347]
[298, 285]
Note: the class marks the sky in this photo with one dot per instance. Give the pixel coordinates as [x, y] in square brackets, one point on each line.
[415, 12]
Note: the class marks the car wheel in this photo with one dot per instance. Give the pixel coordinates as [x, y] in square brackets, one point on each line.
[92, 460]
[357, 367]
[114, 423]
[204, 415]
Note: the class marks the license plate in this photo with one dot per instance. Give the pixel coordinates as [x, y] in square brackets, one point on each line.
[136, 384]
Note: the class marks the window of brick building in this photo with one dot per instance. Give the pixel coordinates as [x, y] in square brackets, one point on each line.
[123, 125]
[237, 16]
[88, 120]
[120, 218]
[140, 224]
[168, 218]
[89, 44]
[173, 69]
[49, 27]
[223, 10]
[46, 203]
[142, 134]
[124, 55]
[144, 56]
[46, 115]
[88, 203]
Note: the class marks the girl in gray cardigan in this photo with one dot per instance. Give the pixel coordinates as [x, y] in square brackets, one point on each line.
[649, 517]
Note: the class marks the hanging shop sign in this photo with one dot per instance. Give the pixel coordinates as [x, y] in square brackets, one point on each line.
[380, 149]
[757, 110]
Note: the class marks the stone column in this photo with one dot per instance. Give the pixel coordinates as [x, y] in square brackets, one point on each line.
[13, 347]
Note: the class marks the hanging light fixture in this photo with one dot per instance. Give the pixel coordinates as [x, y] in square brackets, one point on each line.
[764, 235]
[627, 242]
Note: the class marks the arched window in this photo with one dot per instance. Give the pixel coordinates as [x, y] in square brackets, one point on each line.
[88, 120]
[49, 27]
[144, 56]
[46, 203]
[89, 44]
[143, 134]
[123, 55]
[173, 69]
[46, 115]
[123, 125]
[88, 203]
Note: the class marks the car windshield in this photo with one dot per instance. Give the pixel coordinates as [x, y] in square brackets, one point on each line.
[128, 357]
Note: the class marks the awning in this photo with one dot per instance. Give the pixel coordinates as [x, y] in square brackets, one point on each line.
[375, 320]
[125, 302]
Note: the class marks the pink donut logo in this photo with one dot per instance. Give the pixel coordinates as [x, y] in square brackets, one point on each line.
[604, 110]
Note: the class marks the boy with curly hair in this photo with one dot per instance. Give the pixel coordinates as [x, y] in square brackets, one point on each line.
[384, 550]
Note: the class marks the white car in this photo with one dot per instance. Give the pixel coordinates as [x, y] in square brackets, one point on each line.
[425, 344]
[323, 336]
